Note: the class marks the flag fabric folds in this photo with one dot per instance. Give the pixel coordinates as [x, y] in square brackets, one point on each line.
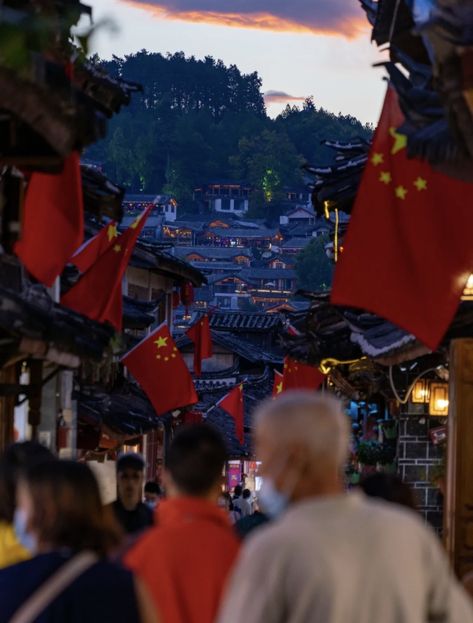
[90, 252]
[232, 403]
[407, 253]
[160, 370]
[53, 221]
[199, 333]
[277, 383]
[98, 293]
[297, 375]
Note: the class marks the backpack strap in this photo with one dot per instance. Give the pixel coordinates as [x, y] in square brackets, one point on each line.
[53, 587]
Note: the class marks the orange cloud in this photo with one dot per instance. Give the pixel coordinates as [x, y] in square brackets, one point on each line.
[333, 17]
[280, 97]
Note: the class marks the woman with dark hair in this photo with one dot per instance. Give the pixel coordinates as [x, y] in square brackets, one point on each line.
[69, 580]
[15, 459]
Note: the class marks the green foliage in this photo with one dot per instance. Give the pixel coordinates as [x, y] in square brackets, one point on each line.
[313, 267]
[199, 120]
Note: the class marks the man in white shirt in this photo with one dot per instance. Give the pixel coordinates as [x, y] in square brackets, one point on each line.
[240, 503]
[332, 556]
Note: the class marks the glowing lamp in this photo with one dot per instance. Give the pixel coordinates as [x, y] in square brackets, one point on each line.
[438, 404]
[421, 392]
[468, 290]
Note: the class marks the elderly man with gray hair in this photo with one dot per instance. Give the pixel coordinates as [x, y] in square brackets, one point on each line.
[332, 556]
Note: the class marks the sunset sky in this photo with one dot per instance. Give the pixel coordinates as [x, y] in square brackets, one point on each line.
[298, 47]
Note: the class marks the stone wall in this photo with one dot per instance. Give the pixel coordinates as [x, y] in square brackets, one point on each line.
[417, 460]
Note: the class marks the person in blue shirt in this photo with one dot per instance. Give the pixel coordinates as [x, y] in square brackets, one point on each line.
[59, 515]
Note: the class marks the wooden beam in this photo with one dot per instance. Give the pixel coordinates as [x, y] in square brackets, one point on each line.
[458, 512]
[9, 376]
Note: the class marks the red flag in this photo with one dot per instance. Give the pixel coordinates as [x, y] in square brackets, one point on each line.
[53, 221]
[278, 383]
[199, 333]
[232, 403]
[298, 375]
[98, 293]
[161, 371]
[90, 252]
[408, 252]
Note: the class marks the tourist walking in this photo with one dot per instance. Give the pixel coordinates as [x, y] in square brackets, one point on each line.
[241, 503]
[15, 459]
[186, 558]
[131, 512]
[69, 580]
[331, 556]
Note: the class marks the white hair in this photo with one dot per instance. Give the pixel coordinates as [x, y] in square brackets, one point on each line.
[314, 419]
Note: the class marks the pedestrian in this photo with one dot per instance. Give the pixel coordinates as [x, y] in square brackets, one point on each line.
[131, 512]
[331, 556]
[388, 487]
[186, 558]
[153, 494]
[226, 503]
[69, 579]
[15, 459]
[241, 503]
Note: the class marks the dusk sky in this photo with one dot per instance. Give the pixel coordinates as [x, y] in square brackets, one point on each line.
[298, 47]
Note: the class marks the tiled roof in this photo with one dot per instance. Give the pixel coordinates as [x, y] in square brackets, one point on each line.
[242, 347]
[124, 410]
[268, 273]
[244, 321]
[295, 243]
[35, 316]
[231, 232]
[218, 253]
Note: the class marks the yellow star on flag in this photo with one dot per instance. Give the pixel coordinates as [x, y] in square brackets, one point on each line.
[385, 177]
[377, 159]
[401, 192]
[117, 248]
[420, 183]
[112, 232]
[400, 141]
[161, 342]
[279, 388]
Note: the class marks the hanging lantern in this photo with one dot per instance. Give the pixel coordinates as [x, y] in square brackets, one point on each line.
[187, 294]
[421, 392]
[438, 404]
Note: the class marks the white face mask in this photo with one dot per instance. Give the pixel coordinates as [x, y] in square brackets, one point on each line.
[20, 522]
[274, 502]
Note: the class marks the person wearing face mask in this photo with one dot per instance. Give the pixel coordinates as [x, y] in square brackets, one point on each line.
[15, 544]
[68, 579]
[332, 556]
[153, 494]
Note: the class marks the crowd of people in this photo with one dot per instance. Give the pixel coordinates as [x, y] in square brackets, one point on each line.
[304, 549]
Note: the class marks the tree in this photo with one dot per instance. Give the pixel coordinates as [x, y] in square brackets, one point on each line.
[199, 120]
[313, 267]
[268, 162]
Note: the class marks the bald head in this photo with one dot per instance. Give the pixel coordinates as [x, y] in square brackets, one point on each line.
[313, 422]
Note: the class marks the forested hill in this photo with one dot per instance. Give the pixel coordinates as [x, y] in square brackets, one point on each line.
[199, 120]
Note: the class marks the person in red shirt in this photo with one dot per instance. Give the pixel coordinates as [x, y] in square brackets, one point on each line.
[185, 559]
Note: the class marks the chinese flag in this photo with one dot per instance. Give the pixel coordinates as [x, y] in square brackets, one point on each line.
[90, 252]
[53, 221]
[199, 333]
[298, 375]
[408, 252]
[98, 293]
[232, 403]
[160, 370]
[278, 383]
